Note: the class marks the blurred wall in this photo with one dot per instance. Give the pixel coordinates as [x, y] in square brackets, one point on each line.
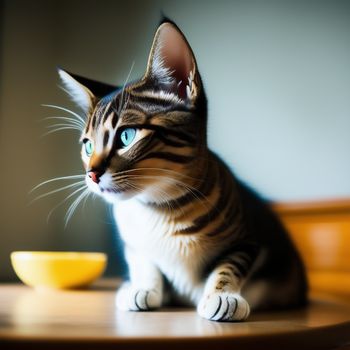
[276, 74]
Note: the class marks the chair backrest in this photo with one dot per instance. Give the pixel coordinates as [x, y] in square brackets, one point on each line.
[321, 232]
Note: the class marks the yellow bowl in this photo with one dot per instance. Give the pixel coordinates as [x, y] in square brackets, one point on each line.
[60, 270]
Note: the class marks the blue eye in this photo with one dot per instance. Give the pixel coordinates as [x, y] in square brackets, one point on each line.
[127, 136]
[89, 148]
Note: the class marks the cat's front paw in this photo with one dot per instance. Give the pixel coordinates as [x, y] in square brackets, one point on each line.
[223, 306]
[130, 298]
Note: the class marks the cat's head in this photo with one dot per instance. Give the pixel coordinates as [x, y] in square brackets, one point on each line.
[146, 138]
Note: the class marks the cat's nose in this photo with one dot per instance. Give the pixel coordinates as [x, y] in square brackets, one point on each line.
[94, 176]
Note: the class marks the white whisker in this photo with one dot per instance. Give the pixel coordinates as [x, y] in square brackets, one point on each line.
[65, 200]
[70, 177]
[67, 119]
[66, 110]
[73, 206]
[157, 169]
[57, 190]
[169, 179]
[160, 193]
[121, 107]
[85, 199]
[60, 129]
[172, 182]
[73, 126]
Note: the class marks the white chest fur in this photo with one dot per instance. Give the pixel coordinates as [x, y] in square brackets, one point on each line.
[150, 235]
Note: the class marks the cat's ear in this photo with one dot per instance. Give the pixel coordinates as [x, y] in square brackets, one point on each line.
[171, 63]
[79, 93]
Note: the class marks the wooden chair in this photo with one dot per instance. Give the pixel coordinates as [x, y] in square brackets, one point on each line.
[321, 232]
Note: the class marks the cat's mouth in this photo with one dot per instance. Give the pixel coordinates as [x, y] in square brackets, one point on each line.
[116, 193]
[112, 190]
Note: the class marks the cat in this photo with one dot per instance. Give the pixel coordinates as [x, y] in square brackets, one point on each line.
[193, 232]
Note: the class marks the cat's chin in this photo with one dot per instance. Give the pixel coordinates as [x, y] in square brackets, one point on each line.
[113, 197]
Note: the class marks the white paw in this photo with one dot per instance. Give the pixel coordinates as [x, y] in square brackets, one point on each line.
[130, 298]
[223, 306]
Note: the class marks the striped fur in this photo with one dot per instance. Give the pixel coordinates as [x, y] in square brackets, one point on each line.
[192, 231]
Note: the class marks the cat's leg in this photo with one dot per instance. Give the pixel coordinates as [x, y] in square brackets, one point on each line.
[144, 291]
[221, 300]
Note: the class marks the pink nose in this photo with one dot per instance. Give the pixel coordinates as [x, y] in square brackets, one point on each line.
[94, 176]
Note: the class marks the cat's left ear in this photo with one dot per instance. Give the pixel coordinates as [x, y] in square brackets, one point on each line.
[79, 93]
[171, 63]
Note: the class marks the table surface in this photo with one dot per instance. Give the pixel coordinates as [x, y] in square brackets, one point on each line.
[29, 316]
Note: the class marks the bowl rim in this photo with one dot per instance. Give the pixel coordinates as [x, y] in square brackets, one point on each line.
[57, 255]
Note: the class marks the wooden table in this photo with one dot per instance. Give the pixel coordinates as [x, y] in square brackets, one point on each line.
[87, 319]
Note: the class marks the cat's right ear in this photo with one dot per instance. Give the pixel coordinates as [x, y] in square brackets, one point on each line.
[171, 63]
[79, 93]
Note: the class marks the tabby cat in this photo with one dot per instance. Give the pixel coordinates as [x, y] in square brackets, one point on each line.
[193, 233]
